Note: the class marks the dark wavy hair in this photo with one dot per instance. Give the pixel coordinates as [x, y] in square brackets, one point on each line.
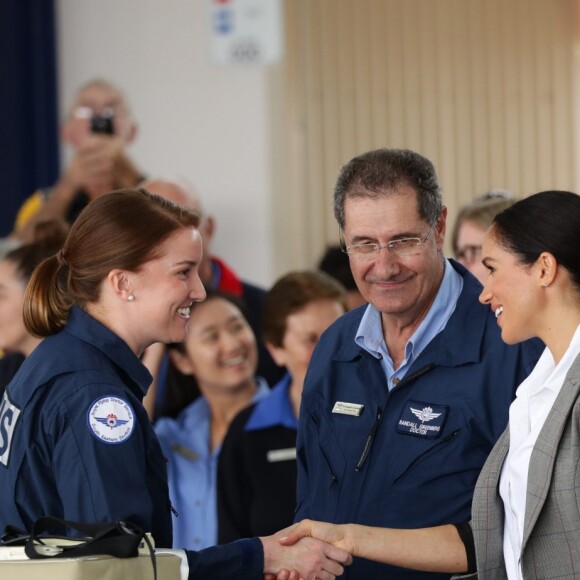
[548, 221]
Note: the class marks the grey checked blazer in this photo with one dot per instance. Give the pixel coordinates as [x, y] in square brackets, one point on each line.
[551, 543]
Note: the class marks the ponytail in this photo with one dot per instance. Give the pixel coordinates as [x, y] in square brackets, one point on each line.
[46, 300]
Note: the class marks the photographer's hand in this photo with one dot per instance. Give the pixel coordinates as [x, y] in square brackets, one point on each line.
[102, 164]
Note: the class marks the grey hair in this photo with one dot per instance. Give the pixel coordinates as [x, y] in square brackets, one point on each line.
[376, 173]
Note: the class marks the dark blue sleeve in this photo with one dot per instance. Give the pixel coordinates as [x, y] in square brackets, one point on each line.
[240, 560]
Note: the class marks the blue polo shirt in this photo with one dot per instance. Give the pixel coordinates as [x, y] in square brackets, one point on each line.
[192, 472]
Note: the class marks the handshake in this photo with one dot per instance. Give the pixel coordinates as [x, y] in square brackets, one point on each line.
[321, 550]
[295, 554]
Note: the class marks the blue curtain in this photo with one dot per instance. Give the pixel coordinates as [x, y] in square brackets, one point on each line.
[28, 103]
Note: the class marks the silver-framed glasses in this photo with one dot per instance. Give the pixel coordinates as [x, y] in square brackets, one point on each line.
[400, 246]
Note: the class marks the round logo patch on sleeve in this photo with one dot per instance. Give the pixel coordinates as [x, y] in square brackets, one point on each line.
[111, 420]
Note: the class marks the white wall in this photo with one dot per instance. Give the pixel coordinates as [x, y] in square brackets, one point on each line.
[207, 123]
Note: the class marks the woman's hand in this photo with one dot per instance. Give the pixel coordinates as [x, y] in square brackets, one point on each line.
[336, 534]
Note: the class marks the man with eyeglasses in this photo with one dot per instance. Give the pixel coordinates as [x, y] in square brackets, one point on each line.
[98, 128]
[404, 398]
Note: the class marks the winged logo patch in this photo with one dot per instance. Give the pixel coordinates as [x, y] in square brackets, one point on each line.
[422, 419]
[425, 414]
[111, 419]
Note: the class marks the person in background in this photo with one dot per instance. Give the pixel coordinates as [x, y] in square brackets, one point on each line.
[403, 399]
[76, 442]
[219, 358]
[169, 399]
[257, 466]
[335, 263]
[471, 225]
[525, 517]
[98, 128]
[15, 271]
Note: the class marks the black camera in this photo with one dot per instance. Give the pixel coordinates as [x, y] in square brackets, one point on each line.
[102, 124]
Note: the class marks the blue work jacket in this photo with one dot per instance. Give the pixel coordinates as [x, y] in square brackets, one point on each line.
[76, 443]
[407, 458]
[55, 462]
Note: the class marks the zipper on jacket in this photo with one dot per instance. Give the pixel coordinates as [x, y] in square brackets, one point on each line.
[369, 442]
[416, 374]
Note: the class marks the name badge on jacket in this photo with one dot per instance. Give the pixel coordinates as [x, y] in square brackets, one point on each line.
[343, 408]
[422, 419]
[276, 455]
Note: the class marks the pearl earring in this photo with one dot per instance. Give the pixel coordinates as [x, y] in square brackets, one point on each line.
[130, 298]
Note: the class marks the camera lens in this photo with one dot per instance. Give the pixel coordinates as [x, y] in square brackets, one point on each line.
[102, 124]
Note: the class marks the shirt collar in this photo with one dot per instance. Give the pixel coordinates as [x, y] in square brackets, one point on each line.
[192, 426]
[370, 336]
[548, 375]
[275, 409]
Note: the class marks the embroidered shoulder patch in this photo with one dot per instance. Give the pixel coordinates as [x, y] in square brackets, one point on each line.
[111, 420]
[422, 419]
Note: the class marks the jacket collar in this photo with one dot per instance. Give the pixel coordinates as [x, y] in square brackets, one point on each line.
[468, 323]
[88, 329]
[275, 409]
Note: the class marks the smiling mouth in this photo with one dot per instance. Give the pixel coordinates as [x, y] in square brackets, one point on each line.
[498, 311]
[233, 362]
[391, 283]
[184, 312]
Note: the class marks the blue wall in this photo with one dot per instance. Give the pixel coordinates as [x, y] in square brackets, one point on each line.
[28, 103]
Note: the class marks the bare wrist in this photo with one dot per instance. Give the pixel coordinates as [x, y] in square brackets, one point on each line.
[270, 547]
[351, 544]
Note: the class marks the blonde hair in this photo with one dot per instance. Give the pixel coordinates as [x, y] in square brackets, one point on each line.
[481, 211]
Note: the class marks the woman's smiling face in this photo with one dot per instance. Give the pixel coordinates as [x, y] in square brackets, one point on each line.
[220, 348]
[511, 290]
[164, 288]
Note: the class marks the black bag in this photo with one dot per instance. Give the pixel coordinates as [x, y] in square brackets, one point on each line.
[120, 539]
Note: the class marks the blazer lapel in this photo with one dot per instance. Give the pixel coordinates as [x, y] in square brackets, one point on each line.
[546, 448]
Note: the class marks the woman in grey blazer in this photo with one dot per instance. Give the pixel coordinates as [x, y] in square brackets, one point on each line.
[526, 507]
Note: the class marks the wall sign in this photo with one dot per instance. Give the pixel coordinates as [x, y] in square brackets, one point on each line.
[246, 32]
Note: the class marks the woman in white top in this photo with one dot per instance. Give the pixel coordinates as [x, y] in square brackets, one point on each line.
[526, 508]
